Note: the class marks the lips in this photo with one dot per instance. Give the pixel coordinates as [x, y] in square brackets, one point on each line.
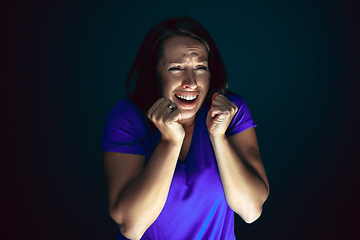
[186, 100]
[185, 97]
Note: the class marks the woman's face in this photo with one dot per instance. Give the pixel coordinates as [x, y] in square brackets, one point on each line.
[184, 74]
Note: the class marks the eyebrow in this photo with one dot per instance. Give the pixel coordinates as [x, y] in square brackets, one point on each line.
[200, 59]
[180, 62]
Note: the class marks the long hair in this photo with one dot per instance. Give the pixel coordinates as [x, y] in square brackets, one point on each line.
[142, 84]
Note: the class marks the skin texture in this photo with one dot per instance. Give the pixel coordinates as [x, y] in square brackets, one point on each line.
[183, 69]
[137, 192]
[241, 170]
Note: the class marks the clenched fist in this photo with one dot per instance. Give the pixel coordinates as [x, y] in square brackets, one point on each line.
[221, 112]
[165, 116]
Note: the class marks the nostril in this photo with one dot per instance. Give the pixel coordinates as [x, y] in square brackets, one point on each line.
[190, 82]
[191, 86]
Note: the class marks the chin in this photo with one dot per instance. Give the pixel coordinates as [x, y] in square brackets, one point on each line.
[187, 114]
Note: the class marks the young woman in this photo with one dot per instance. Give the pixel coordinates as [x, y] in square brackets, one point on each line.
[181, 156]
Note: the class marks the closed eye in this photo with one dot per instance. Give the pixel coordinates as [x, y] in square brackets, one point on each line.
[202, 68]
[174, 69]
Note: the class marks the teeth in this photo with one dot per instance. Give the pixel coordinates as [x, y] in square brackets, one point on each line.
[188, 98]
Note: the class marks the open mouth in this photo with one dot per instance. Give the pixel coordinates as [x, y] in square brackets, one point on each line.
[186, 99]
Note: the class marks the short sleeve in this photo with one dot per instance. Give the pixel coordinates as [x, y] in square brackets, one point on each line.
[124, 129]
[242, 119]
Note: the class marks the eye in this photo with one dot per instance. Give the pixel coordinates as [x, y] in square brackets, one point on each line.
[204, 68]
[177, 68]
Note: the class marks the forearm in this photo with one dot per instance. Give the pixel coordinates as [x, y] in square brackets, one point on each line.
[245, 190]
[141, 202]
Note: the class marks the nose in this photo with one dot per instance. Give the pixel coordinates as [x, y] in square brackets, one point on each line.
[189, 80]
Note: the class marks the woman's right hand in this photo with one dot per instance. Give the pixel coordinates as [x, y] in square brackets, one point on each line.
[167, 119]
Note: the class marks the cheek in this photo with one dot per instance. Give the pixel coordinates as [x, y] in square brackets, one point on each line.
[169, 83]
[166, 87]
[162, 82]
[205, 83]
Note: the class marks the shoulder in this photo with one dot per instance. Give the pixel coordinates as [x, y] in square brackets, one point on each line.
[124, 105]
[126, 110]
[125, 128]
[127, 117]
[242, 119]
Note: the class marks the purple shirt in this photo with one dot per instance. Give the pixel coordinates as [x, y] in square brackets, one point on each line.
[196, 207]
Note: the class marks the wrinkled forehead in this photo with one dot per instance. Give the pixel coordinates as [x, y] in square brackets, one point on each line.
[186, 58]
[180, 49]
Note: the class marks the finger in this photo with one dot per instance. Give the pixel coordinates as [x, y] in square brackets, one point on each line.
[220, 111]
[221, 100]
[214, 96]
[228, 101]
[220, 96]
[222, 103]
[172, 106]
[175, 117]
[163, 110]
[154, 107]
[224, 99]
[164, 107]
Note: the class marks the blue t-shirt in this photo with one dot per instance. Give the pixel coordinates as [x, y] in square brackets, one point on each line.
[196, 207]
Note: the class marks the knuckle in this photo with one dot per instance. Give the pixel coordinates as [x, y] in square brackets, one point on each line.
[233, 109]
[155, 117]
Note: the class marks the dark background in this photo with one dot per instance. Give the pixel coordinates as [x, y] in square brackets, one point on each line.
[64, 65]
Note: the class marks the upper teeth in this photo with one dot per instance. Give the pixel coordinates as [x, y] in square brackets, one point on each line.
[186, 97]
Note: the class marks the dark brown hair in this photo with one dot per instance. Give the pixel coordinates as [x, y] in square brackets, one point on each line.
[142, 84]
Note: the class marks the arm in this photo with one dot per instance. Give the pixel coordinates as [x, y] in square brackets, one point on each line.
[242, 173]
[241, 170]
[137, 193]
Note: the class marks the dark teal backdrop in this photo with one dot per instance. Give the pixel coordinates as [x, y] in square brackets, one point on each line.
[64, 65]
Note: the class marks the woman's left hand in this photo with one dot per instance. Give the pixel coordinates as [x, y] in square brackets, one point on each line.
[221, 112]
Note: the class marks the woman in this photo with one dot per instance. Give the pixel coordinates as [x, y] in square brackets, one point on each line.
[182, 171]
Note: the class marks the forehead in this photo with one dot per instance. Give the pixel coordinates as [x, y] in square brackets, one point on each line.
[180, 48]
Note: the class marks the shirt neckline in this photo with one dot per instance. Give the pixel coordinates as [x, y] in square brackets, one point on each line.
[193, 140]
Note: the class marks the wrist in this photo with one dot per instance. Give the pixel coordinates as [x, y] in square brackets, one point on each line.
[172, 142]
[217, 137]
